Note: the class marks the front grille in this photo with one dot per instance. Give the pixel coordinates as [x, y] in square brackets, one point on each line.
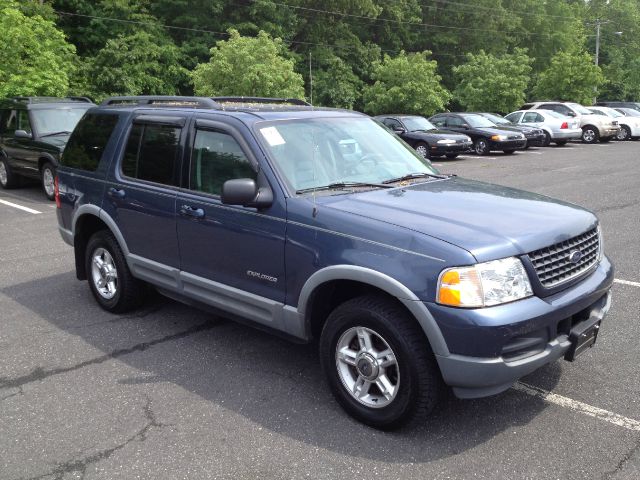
[553, 266]
[514, 137]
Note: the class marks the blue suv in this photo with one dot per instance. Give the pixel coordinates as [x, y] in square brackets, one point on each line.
[322, 225]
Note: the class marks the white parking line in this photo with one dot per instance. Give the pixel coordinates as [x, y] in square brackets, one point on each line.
[20, 207]
[533, 153]
[627, 282]
[607, 416]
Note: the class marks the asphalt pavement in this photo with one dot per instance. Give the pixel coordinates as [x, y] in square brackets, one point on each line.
[172, 392]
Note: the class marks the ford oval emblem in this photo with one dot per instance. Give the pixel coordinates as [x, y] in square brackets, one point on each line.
[575, 256]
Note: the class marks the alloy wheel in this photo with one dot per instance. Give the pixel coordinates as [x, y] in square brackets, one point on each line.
[3, 174]
[104, 273]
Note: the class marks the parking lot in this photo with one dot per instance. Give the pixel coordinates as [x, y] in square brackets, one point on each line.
[172, 392]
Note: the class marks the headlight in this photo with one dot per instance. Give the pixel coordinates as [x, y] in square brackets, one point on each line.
[447, 141]
[484, 284]
[498, 138]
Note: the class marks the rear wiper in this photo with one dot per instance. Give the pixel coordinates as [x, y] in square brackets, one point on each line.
[411, 176]
[56, 133]
[331, 186]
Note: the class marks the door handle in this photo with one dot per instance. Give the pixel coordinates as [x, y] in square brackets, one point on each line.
[116, 193]
[189, 211]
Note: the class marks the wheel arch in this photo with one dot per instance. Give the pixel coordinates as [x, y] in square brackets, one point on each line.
[328, 287]
[44, 158]
[88, 220]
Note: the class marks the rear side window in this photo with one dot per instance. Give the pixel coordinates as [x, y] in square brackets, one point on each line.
[151, 153]
[216, 158]
[514, 117]
[88, 141]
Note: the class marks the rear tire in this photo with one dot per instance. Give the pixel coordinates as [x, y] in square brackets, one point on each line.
[110, 279]
[378, 363]
[8, 179]
[451, 156]
[47, 179]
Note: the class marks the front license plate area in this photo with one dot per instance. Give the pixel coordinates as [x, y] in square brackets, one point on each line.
[582, 337]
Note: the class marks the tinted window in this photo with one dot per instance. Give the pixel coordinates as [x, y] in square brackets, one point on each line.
[439, 121]
[88, 141]
[514, 117]
[151, 153]
[530, 117]
[455, 122]
[216, 158]
[8, 121]
[392, 123]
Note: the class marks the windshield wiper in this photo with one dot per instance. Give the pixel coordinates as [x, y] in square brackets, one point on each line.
[335, 185]
[411, 176]
[64, 132]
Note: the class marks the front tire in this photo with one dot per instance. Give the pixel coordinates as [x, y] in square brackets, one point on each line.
[561, 143]
[547, 139]
[624, 133]
[481, 146]
[378, 363]
[423, 150]
[110, 279]
[590, 134]
[47, 177]
[509, 152]
[451, 156]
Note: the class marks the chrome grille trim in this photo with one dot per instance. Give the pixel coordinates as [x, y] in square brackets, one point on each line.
[552, 263]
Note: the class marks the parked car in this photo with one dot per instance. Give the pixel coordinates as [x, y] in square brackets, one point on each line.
[629, 126]
[486, 135]
[557, 128]
[594, 127]
[410, 280]
[33, 133]
[425, 137]
[633, 105]
[628, 112]
[535, 136]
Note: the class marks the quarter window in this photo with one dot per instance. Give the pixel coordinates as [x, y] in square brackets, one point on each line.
[88, 141]
[216, 158]
[530, 117]
[151, 153]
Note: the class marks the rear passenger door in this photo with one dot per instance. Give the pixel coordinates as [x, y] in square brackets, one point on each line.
[232, 256]
[141, 196]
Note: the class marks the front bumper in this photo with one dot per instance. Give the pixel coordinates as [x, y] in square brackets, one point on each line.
[508, 144]
[535, 140]
[443, 149]
[609, 132]
[473, 375]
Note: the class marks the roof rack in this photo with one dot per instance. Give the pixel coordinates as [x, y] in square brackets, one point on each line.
[217, 103]
[51, 99]
[161, 100]
[265, 100]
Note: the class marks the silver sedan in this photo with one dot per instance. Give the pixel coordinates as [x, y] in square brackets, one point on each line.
[557, 128]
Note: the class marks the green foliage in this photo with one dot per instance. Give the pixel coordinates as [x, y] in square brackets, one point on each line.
[571, 76]
[407, 83]
[249, 67]
[35, 58]
[490, 83]
[334, 83]
[137, 64]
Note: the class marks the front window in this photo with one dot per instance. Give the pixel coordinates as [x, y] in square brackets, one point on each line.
[478, 121]
[313, 153]
[415, 124]
[50, 121]
[497, 119]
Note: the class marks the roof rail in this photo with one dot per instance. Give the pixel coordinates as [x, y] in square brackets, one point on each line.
[51, 99]
[202, 102]
[266, 100]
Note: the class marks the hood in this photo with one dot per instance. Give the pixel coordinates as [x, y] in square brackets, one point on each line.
[57, 141]
[441, 134]
[489, 221]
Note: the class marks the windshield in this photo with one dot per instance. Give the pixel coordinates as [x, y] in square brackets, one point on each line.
[580, 109]
[478, 121]
[417, 123]
[612, 112]
[631, 112]
[312, 153]
[54, 120]
[497, 119]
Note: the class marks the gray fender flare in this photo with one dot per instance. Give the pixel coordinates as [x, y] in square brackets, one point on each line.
[384, 282]
[96, 211]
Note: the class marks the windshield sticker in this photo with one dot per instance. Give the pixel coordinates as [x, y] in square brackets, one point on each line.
[272, 135]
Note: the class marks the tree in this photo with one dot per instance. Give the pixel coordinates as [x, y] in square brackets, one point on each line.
[334, 83]
[490, 83]
[571, 76]
[35, 58]
[248, 66]
[407, 83]
[135, 64]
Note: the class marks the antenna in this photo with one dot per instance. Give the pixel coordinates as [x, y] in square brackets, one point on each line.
[310, 81]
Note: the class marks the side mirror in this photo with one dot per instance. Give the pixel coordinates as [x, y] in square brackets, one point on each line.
[465, 126]
[22, 134]
[399, 130]
[245, 192]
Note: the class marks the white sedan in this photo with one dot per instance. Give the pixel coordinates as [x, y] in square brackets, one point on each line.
[557, 128]
[629, 126]
[631, 116]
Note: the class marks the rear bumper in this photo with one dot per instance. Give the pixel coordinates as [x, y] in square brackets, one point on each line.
[568, 134]
[473, 376]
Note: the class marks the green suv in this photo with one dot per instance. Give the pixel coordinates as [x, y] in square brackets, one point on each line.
[33, 134]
